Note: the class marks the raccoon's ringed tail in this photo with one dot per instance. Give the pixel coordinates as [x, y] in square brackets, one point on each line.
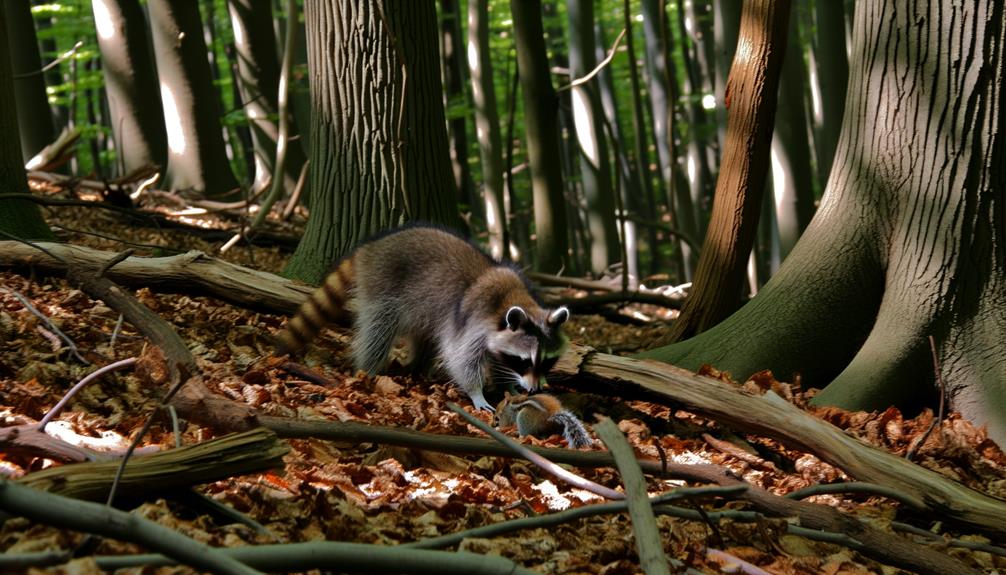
[322, 307]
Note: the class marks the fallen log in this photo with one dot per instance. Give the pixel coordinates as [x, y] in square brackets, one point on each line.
[192, 273]
[772, 416]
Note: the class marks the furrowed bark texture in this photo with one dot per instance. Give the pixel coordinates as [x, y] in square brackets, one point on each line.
[751, 98]
[909, 239]
[378, 158]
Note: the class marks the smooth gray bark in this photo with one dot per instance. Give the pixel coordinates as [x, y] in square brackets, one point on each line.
[487, 125]
[591, 141]
[134, 99]
[196, 157]
[792, 179]
[662, 103]
[831, 76]
[541, 126]
[258, 80]
[630, 186]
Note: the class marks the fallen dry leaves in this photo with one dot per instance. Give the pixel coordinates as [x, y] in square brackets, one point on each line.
[389, 495]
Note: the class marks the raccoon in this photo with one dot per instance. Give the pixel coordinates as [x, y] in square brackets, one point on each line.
[452, 303]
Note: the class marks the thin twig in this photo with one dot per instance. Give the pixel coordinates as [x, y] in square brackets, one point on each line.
[28, 242]
[917, 444]
[859, 487]
[53, 64]
[291, 204]
[597, 69]
[975, 545]
[122, 363]
[116, 259]
[548, 466]
[49, 326]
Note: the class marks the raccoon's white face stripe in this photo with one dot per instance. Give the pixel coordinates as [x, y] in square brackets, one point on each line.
[505, 343]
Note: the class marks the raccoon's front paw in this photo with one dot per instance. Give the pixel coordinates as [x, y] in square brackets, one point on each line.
[480, 402]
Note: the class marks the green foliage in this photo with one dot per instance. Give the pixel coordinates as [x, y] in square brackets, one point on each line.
[77, 82]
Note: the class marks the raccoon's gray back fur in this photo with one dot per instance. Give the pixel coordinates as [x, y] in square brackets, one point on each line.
[446, 298]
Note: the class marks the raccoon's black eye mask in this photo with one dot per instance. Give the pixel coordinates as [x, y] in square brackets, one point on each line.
[515, 363]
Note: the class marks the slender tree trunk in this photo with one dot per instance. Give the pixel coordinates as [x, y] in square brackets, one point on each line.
[53, 76]
[196, 158]
[697, 70]
[542, 129]
[792, 179]
[29, 83]
[910, 238]
[453, 70]
[237, 138]
[557, 48]
[258, 80]
[487, 127]
[662, 98]
[19, 218]
[591, 143]
[632, 192]
[831, 76]
[91, 105]
[238, 142]
[379, 156]
[752, 87]
[131, 84]
[641, 154]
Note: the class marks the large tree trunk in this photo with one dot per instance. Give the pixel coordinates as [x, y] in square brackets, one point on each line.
[196, 157]
[909, 239]
[32, 104]
[541, 124]
[19, 218]
[258, 80]
[131, 83]
[379, 156]
[487, 125]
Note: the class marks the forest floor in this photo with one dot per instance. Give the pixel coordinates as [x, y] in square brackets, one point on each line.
[369, 493]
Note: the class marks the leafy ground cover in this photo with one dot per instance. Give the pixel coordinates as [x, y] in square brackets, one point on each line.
[364, 492]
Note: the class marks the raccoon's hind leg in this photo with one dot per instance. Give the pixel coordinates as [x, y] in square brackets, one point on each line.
[376, 330]
[422, 353]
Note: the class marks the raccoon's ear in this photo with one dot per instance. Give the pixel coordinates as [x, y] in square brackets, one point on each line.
[558, 316]
[515, 317]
